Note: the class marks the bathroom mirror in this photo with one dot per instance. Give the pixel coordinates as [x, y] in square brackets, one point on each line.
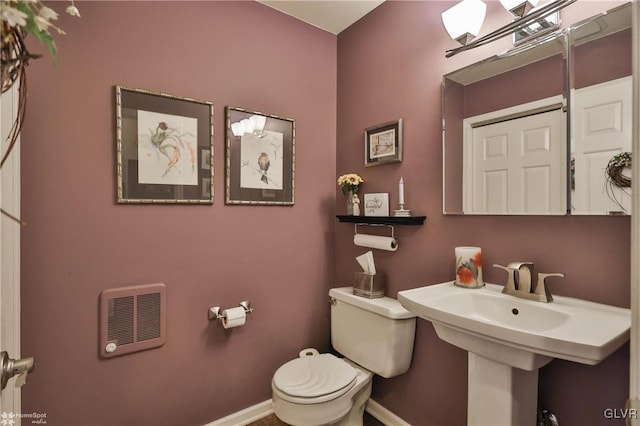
[510, 124]
[601, 105]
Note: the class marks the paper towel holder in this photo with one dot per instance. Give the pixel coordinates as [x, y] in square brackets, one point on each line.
[375, 224]
[217, 313]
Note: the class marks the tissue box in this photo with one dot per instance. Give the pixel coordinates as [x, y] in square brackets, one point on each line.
[368, 285]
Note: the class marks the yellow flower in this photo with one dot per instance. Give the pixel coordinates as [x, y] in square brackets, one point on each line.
[350, 182]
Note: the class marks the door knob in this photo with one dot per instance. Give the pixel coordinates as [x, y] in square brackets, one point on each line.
[14, 367]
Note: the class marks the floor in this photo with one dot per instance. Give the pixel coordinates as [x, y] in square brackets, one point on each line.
[272, 420]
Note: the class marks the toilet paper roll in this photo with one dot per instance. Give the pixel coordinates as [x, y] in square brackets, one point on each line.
[233, 317]
[376, 242]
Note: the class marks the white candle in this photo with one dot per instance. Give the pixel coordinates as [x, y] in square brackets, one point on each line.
[401, 192]
[469, 266]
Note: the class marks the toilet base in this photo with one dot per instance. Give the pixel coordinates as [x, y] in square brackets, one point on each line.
[346, 410]
[355, 416]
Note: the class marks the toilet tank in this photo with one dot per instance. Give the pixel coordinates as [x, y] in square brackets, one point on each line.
[377, 334]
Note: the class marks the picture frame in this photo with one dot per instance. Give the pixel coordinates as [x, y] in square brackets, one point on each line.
[383, 143]
[376, 204]
[260, 158]
[164, 147]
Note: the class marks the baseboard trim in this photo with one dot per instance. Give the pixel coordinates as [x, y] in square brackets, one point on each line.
[265, 408]
[384, 415]
[246, 416]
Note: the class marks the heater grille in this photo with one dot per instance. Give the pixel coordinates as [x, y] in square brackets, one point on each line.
[131, 319]
[120, 320]
[148, 325]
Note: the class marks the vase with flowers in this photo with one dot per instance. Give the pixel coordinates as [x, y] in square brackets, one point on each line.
[350, 185]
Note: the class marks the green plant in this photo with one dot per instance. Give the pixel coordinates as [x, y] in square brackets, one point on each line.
[18, 19]
[32, 17]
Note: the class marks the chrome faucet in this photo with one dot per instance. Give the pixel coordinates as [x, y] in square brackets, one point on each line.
[520, 280]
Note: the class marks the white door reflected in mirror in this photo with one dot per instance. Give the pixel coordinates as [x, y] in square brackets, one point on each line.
[516, 162]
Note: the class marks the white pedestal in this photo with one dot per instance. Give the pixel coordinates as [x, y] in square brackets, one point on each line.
[500, 395]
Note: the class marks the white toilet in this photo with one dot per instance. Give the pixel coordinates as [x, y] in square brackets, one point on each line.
[375, 336]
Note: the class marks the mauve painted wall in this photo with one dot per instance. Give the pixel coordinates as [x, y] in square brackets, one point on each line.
[390, 65]
[614, 53]
[544, 79]
[79, 241]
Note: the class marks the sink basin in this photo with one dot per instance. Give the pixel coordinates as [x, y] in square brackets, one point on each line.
[509, 339]
[518, 332]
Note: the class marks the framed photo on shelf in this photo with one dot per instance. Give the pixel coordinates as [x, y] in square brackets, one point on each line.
[164, 148]
[260, 158]
[383, 143]
[376, 204]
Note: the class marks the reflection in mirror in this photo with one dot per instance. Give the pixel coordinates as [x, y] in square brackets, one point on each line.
[504, 133]
[505, 127]
[601, 103]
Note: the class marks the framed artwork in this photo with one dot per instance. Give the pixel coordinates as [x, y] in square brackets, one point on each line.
[164, 148]
[260, 158]
[376, 204]
[383, 143]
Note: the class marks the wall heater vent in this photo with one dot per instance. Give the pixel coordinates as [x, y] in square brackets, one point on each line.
[132, 319]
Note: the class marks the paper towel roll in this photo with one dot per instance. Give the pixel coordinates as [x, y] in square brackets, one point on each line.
[376, 242]
[233, 317]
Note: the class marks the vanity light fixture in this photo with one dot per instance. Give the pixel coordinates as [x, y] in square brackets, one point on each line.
[519, 8]
[538, 28]
[258, 122]
[254, 124]
[237, 129]
[537, 15]
[464, 20]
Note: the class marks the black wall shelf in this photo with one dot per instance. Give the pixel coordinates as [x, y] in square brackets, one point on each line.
[382, 220]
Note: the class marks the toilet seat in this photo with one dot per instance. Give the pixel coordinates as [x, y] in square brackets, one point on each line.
[314, 379]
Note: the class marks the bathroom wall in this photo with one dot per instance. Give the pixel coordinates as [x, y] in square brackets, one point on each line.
[390, 65]
[78, 241]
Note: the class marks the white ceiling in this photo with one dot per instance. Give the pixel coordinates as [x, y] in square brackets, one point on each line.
[330, 15]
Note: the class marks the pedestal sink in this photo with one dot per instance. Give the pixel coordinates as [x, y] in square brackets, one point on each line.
[509, 339]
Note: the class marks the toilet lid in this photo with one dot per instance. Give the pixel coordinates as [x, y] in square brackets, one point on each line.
[314, 376]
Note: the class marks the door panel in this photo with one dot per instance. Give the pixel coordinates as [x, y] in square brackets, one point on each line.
[10, 252]
[602, 129]
[519, 164]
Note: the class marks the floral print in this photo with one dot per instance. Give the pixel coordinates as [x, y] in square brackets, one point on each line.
[469, 267]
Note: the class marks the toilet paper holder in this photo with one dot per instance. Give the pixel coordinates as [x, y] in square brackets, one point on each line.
[216, 312]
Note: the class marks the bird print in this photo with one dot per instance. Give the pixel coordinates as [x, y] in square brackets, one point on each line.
[263, 163]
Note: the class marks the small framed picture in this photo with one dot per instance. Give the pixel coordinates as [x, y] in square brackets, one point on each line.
[383, 143]
[376, 204]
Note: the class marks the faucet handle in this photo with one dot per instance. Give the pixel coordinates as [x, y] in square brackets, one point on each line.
[511, 284]
[506, 268]
[541, 289]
